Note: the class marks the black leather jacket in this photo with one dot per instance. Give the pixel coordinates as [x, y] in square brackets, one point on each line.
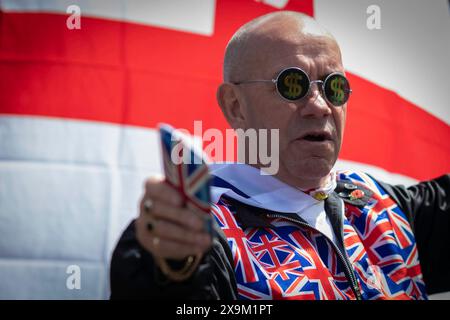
[134, 275]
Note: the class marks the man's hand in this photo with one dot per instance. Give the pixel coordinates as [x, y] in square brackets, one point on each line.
[165, 228]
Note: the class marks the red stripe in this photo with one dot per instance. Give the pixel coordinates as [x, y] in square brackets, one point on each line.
[248, 294]
[132, 74]
[117, 71]
[387, 131]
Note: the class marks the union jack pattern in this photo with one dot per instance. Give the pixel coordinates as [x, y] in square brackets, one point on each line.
[289, 261]
[189, 174]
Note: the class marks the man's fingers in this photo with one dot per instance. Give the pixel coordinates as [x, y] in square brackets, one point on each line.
[156, 188]
[175, 231]
[181, 216]
[182, 241]
[169, 231]
[166, 248]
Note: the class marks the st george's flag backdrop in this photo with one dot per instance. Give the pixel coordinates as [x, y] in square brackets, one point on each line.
[79, 109]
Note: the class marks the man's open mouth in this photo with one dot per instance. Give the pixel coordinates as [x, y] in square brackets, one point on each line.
[316, 136]
[311, 137]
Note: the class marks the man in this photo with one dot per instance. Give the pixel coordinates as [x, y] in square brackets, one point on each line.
[307, 232]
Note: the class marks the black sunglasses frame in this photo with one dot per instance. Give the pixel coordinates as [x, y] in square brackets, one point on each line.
[322, 83]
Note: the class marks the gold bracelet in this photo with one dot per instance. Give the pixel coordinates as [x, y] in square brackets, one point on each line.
[184, 273]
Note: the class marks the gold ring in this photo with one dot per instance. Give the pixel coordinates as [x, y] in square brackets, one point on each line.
[155, 241]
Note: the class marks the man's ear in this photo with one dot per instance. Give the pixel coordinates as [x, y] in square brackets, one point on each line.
[228, 99]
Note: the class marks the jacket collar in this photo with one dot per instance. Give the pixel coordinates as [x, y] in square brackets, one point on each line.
[251, 186]
[254, 217]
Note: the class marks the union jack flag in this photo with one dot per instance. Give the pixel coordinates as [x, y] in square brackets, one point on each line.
[186, 170]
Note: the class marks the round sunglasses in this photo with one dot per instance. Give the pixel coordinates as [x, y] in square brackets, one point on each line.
[293, 84]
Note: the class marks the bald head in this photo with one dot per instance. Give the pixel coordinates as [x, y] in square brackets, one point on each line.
[260, 50]
[264, 35]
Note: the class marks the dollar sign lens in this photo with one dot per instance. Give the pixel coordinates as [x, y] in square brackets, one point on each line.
[337, 89]
[338, 93]
[291, 83]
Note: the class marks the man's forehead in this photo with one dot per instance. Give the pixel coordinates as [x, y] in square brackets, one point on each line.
[300, 45]
[305, 53]
[266, 42]
[320, 64]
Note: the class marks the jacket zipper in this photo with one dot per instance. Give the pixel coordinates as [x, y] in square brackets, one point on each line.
[349, 272]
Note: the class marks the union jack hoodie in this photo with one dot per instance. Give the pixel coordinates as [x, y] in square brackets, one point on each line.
[391, 242]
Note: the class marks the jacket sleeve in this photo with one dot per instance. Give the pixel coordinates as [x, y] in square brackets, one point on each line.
[134, 275]
[427, 206]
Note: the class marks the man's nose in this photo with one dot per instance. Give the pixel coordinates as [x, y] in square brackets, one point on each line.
[315, 104]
